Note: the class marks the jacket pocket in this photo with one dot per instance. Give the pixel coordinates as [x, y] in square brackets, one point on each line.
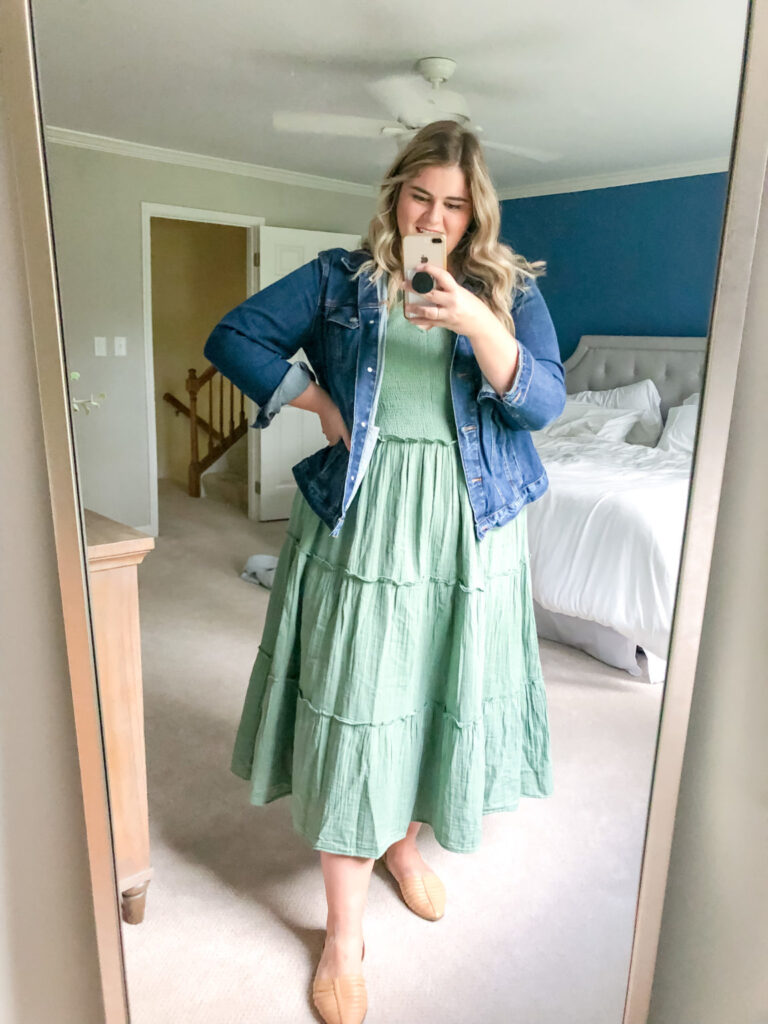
[512, 469]
[502, 493]
[341, 333]
[322, 476]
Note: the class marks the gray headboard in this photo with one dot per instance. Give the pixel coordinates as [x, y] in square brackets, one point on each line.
[675, 365]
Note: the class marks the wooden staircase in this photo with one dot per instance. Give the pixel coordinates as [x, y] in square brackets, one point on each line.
[219, 439]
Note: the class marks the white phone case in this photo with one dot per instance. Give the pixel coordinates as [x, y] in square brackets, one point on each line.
[417, 250]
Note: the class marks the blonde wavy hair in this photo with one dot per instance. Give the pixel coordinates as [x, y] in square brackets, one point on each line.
[495, 269]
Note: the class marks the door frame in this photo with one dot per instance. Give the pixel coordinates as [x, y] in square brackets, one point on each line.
[173, 212]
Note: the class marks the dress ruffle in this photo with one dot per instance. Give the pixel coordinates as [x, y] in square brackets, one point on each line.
[398, 676]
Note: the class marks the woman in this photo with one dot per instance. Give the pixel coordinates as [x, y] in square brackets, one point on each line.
[398, 678]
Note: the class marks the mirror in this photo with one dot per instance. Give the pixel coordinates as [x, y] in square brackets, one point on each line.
[618, 128]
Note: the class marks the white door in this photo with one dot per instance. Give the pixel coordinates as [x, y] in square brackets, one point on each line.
[293, 433]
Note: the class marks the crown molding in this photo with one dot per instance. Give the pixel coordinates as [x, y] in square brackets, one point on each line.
[122, 147]
[636, 177]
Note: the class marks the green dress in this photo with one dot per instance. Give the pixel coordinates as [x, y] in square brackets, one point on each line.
[398, 676]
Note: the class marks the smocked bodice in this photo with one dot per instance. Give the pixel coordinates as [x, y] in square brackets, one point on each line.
[415, 396]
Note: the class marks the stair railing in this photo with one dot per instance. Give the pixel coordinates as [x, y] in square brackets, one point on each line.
[219, 440]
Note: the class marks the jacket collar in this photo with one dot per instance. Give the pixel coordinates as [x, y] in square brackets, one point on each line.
[352, 260]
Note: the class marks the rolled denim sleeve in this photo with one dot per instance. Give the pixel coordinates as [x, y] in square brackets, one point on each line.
[537, 394]
[487, 384]
[293, 384]
[253, 343]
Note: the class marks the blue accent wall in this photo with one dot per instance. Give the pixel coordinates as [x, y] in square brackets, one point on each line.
[633, 259]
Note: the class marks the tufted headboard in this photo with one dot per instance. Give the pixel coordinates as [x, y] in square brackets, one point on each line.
[675, 365]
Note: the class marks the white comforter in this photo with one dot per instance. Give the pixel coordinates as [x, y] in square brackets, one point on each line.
[606, 538]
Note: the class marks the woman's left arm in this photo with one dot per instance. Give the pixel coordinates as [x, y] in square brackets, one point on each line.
[523, 374]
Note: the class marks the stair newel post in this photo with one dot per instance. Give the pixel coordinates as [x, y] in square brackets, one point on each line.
[218, 441]
[221, 408]
[210, 414]
[194, 472]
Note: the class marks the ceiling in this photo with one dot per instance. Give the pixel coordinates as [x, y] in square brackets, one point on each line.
[613, 87]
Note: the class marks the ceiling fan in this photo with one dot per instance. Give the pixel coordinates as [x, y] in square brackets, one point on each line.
[413, 102]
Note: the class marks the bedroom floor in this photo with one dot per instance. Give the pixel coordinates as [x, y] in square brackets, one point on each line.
[538, 925]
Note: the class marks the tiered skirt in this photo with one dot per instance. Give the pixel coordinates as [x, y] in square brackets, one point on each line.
[398, 675]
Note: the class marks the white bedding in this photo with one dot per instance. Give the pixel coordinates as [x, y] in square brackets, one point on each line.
[605, 538]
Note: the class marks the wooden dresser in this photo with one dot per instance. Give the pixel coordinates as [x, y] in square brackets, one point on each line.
[114, 552]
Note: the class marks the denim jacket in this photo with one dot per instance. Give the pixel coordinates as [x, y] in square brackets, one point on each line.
[341, 325]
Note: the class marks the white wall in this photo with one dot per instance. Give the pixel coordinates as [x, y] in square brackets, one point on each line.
[96, 199]
[48, 966]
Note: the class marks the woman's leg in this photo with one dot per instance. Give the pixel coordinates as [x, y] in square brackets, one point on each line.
[346, 890]
[403, 858]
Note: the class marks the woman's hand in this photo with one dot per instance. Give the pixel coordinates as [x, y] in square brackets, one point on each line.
[450, 305]
[460, 310]
[333, 424]
[317, 399]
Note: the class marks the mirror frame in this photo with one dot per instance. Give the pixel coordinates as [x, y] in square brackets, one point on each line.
[747, 176]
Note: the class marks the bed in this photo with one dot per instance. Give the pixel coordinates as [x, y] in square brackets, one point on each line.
[605, 539]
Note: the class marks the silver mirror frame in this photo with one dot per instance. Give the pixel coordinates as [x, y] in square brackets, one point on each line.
[747, 178]
[746, 185]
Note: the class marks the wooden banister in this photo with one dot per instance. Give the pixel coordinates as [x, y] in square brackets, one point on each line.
[218, 441]
[184, 409]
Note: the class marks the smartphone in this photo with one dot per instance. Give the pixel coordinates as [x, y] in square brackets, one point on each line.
[419, 249]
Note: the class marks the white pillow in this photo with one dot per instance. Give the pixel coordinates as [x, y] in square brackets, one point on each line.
[642, 395]
[579, 419]
[693, 399]
[680, 429]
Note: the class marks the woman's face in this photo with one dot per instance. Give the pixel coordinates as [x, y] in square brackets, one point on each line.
[437, 199]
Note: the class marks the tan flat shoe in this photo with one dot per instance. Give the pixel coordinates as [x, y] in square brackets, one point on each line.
[341, 1000]
[424, 894]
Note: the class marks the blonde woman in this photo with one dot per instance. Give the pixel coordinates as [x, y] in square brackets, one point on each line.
[398, 678]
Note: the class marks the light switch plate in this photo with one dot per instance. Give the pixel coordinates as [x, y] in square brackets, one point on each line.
[120, 347]
[100, 346]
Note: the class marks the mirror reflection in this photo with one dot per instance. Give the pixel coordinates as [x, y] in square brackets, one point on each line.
[405, 558]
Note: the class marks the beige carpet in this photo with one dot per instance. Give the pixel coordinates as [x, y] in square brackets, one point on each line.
[538, 925]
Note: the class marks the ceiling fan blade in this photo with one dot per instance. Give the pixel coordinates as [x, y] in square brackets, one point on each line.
[403, 96]
[448, 104]
[334, 124]
[539, 155]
